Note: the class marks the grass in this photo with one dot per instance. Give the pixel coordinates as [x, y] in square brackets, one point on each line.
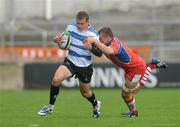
[157, 108]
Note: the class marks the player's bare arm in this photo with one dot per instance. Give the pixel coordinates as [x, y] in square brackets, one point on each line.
[105, 49]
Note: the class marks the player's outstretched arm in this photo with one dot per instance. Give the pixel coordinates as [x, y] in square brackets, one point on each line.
[95, 50]
[105, 49]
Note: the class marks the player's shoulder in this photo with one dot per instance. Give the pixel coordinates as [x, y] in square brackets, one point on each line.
[93, 30]
[71, 25]
[115, 39]
[118, 42]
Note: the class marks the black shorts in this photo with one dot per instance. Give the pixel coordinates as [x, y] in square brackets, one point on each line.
[84, 74]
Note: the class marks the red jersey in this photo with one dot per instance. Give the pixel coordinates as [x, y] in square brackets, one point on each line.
[126, 59]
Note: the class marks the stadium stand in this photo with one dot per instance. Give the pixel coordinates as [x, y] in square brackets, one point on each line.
[150, 27]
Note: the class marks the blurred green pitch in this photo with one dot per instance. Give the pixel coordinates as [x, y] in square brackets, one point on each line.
[157, 108]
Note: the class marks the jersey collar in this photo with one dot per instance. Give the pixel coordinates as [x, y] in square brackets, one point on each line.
[109, 43]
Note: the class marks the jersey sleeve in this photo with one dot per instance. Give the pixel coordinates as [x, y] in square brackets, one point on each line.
[69, 26]
[95, 36]
[115, 47]
[93, 33]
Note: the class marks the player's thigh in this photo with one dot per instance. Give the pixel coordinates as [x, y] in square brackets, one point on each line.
[129, 84]
[62, 73]
[131, 87]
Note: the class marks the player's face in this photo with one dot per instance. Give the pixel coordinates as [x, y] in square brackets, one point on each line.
[82, 24]
[103, 38]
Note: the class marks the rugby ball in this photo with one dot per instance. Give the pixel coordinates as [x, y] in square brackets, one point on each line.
[66, 41]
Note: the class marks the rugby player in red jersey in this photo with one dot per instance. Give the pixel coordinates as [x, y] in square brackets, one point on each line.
[134, 66]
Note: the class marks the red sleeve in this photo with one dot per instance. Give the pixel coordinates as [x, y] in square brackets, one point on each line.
[115, 47]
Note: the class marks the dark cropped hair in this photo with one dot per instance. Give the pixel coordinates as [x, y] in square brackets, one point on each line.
[107, 31]
[82, 15]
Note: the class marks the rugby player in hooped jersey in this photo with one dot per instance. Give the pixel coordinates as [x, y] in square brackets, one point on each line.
[78, 63]
[134, 66]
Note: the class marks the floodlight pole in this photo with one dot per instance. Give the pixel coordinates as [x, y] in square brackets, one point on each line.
[48, 9]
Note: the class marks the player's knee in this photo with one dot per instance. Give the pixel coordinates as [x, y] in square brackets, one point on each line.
[125, 95]
[56, 81]
[85, 94]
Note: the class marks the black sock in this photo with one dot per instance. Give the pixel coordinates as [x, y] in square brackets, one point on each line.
[92, 99]
[54, 91]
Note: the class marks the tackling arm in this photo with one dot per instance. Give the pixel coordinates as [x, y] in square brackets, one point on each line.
[96, 51]
[105, 49]
[90, 41]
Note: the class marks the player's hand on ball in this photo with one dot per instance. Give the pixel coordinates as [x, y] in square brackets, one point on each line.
[58, 38]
